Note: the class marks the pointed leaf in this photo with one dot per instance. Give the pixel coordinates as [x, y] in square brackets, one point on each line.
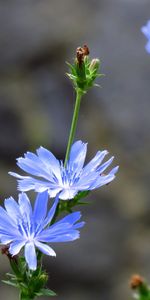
[10, 283]
[46, 292]
[11, 275]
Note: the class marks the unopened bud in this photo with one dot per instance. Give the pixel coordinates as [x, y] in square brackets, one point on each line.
[84, 71]
[42, 279]
[94, 65]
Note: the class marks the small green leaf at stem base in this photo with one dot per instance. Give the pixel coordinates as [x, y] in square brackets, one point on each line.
[46, 292]
[8, 282]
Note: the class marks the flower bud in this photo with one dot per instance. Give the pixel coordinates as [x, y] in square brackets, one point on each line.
[43, 278]
[139, 285]
[136, 281]
[94, 65]
[84, 71]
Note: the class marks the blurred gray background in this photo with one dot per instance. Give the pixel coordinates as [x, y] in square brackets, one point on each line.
[36, 104]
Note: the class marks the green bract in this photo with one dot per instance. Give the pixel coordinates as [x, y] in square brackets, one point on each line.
[30, 283]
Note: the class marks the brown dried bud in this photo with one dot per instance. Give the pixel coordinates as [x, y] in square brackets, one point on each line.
[81, 53]
[80, 56]
[86, 50]
[136, 281]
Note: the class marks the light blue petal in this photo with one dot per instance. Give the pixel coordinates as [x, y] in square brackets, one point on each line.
[71, 218]
[66, 237]
[50, 162]
[30, 255]
[63, 229]
[40, 207]
[12, 208]
[146, 29]
[19, 176]
[39, 186]
[95, 162]
[58, 229]
[77, 157]
[27, 183]
[7, 238]
[104, 166]
[33, 165]
[102, 180]
[79, 225]
[6, 221]
[114, 170]
[147, 47]
[25, 206]
[85, 181]
[5, 241]
[16, 246]
[51, 212]
[26, 221]
[45, 249]
[54, 230]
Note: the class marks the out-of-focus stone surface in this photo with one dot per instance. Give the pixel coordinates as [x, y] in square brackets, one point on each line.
[36, 102]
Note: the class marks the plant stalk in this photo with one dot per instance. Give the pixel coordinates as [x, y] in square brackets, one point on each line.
[79, 95]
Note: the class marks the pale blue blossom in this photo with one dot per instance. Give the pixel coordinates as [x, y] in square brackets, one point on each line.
[146, 30]
[22, 226]
[48, 173]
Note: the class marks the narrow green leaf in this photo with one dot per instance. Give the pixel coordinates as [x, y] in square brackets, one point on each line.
[10, 283]
[24, 285]
[46, 292]
[11, 275]
[83, 203]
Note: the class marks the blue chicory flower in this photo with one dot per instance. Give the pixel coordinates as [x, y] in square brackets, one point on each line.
[56, 178]
[22, 226]
[146, 30]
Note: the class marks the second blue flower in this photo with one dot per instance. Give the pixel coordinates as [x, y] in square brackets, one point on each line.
[48, 173]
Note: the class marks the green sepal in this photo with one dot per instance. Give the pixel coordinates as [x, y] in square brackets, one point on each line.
[11, 275]
[22, 264]
[81, 195]
[83, 203]
[15, 266]
[46, 292]
[67, 205]
[9, 282]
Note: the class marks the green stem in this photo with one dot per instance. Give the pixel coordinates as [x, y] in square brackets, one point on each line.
[74, 123]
